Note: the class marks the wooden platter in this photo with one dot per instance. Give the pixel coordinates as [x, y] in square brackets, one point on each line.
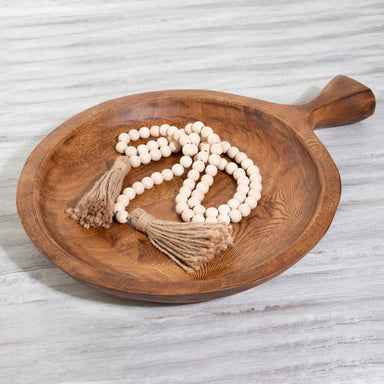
[301, 190]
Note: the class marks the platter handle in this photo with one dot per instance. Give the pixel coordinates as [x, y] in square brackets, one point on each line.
[343, 101]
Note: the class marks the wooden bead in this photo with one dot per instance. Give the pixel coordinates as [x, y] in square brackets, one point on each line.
[233, 203]
[122, 199]
[240, 196]
[129, 192]
[138, 187]
[232, 152]
[225, 146]
[224, 209]
[198, 165]
[197, 126]
[163, 129]
[142, 148]
[155, 131]
[144, 132]
[195, 138]
[124, 137]
[253, 169]
[181, 199]
[134, 134]
[238, 173]
[211, 220]
[181, 207]
[122, 217]
[162, 141]
[211, 170]
[212, 211]
[230, 168]
[177, 169]
[251, 202]
[130, 151]
[254, 193]
[202, 156]
[157, 178]
[167, 174]
[186, 161]
[174, 146]
[201, 186]
[242, 188]
[256, 185]
[151, 145]
[121, 146]
[214, 160]
[199, 210]
[204, 147]
[244, 209]
[217, 149]
[235, 215]
[198, 219]
[177, 135]
[213, 139]
[145, 158]
[206, 131]
[240, 157]
[155, 154]
[187, 215]
[207, 179]
[255, 177]
[135, 161]
[193, 175]
[171, 130]
[189, 184]
[147, 182]
[223, 163]
[118, 207]
[185, 191]
[246, 163]
[188, 150]
[192, 202]
[224, 219]
[165, 151]
[184, 140]
[198, 194]
[188, 129]
[243, 180]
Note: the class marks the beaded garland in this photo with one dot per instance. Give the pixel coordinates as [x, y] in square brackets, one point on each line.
[202, 150]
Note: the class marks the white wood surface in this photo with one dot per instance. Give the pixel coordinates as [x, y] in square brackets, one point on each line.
[319, 322]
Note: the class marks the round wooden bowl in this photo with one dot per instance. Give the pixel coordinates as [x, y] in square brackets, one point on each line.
[301, 190]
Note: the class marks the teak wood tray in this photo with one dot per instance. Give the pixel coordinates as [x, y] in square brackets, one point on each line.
[301, 190]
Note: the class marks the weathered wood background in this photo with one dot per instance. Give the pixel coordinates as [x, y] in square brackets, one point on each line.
[319, 322]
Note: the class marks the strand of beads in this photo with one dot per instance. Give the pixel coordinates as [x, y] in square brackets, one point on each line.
[201, 142]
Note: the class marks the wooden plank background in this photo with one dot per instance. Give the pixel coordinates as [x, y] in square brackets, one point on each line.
[319, 322]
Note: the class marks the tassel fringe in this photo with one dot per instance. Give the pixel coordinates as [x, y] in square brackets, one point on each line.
[189, 245]
[95, 208]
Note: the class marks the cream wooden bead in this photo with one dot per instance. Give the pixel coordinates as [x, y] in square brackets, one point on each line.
[230, 168]
[129, 192]
[203, 156]
[205, 147]
[214, 160]
[198, 194]
[145, 158]
[206, 131]
[188, 150]
[186, 161]
[188, 129]
[181, 207]
[124, 137]
[155, 131]
[135, 161]
[121, 146]
[142, 148]
[122, 199]
[256, 185]
[199, 210]
[225, 146]
[251, 202]
[213, 138]
[155, 154]
[184, 140]
[163, 129]
[130, 151]
[171, 130]
[118, 207]
[197, 126]
[217, 149]
[187, 215]
[181, 199]
[232, 152]
[255, 177]
[177, 169]
[195, 138]
[207, 179]
[211, 220]
[240, 157]
[138, 187]
[235, 215]
[223, 163]
[211, 211]
[157, 178]
[211, 170]
[201, 186]
[238, 173]
[185, 191]
[198, 219]
[224, 209]
[189, 184]
[165, 151]
[254, 193]
[122, 217]
[233, 203]
[240, 196]
[244, 209]
[144, 132]
[147, 182]
[193, 175]
[199, 166]
[242, 188]
[243, 180]
[253, 169]
[134, 134]
[167, 174]
[246, 163]
[162, 141]
[177, 135]
[174, 146]
[192, 202]
[151, 145]
[224, 219]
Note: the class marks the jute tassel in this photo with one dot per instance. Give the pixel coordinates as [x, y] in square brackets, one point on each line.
[190, 245]
[95, 209]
